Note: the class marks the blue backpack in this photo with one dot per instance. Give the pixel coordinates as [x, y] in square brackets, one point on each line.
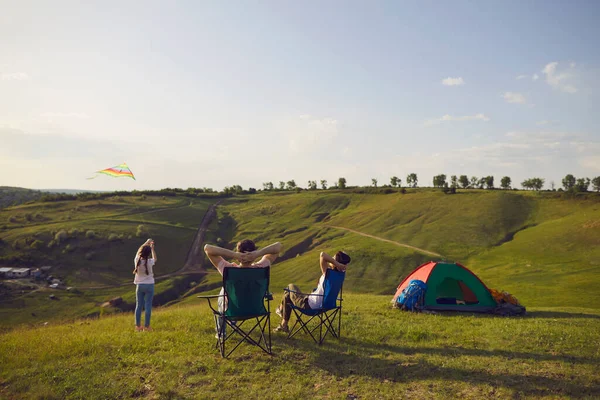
[412, 297]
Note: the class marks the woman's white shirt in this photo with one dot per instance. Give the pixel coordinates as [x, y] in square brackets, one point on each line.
[141, 277]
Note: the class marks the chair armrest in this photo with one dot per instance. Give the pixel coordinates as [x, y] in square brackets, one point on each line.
[212, 296]
[307, 294]
[269, 296]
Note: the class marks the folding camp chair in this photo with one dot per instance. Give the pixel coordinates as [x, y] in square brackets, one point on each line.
[326, 315]
[246, 294]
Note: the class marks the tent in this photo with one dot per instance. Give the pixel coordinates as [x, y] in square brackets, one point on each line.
[451, 287]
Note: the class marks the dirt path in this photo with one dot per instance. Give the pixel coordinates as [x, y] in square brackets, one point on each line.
[431, 253]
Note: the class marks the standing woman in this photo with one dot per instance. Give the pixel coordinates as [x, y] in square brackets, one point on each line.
[144, 279]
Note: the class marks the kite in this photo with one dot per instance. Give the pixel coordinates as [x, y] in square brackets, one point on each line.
[119, 171]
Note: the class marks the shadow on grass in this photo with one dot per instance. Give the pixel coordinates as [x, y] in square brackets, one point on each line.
[559, 314]
[349, 357]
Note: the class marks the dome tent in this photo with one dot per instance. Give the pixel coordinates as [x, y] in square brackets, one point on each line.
[451, 287]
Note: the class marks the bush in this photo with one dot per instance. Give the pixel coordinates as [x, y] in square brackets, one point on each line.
[12, 219]
[143, 197]
[141, 231]
[36, 244]
[70, 248]
[90, 234]
[403, 190]
[113, 237]
[74, 232]
[51, 244]
[61, 236]
[29, 217]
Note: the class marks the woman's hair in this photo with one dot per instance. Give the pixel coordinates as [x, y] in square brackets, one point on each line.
[245, 246]
[342, 257]
[144, 252]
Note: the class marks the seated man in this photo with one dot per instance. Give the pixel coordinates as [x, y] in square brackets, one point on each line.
[245, 253]
[313, 300]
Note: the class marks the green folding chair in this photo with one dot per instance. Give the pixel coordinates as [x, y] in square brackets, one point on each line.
[247, 297]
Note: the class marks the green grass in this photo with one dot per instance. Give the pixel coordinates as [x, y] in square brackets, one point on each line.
[383, 353]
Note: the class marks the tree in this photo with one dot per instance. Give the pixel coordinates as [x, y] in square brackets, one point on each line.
[268, 186]
[505, 182]
[394, 181]
[489, 182]
[481, 182]
[281, 185]
[596, 183]
[342, 183]
[453, 181]
[411, 180]
[374, 182]
[569, 182]
[464, 181]
[533, 183]
[323, 184]
[582, 184]
[552, 185]
[291, 185]
[474, 182]
[312, 185]
[439, 180]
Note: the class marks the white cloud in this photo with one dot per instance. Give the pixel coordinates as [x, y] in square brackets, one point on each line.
[14, 76]
[512, 97]
[446, 118]
[453, 81]
[591, 162]
[521, 77]
[572, 65]
[64, 115]
[535, 77]
[547, 122]
[558, 80]
[306, 131]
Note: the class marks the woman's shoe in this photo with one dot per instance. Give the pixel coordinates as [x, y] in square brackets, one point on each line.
[139, 329]
[282, 328]
[148, 329]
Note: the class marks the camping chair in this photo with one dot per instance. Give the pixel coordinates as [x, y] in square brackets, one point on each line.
[247, 292]
[327, 314]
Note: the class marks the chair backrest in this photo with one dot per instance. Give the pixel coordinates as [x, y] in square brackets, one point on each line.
[332, 286]
[245, 289]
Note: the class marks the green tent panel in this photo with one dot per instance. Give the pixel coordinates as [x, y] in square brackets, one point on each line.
[451, 286]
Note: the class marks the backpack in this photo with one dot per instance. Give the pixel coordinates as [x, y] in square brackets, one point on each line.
[412, 297]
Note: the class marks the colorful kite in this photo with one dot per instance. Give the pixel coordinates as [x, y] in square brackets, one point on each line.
[118, 171]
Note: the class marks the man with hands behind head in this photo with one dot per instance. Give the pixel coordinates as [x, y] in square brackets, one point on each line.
[246, 253]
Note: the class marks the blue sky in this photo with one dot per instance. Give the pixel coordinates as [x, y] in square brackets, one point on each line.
[212, 94]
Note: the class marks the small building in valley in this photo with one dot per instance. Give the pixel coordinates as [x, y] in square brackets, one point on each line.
[18, 273]
[4, 272]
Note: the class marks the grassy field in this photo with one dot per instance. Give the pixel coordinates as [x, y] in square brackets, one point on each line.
[383, 353]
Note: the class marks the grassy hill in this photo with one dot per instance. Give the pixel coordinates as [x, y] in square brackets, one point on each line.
[542, 247]
[383, 353]
[12, 196]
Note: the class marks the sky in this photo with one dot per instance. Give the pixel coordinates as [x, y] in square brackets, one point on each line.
[214, 94]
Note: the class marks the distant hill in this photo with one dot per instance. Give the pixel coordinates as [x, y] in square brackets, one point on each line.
[72, 191]
[13, 196]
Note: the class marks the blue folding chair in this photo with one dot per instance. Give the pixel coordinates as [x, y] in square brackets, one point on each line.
[325, 316]
[247, 291]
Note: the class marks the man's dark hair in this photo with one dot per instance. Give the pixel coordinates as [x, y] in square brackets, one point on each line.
[342, 257]
[245, 246]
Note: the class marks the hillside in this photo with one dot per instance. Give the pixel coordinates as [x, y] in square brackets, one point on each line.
[13, 196]
[542, 247]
